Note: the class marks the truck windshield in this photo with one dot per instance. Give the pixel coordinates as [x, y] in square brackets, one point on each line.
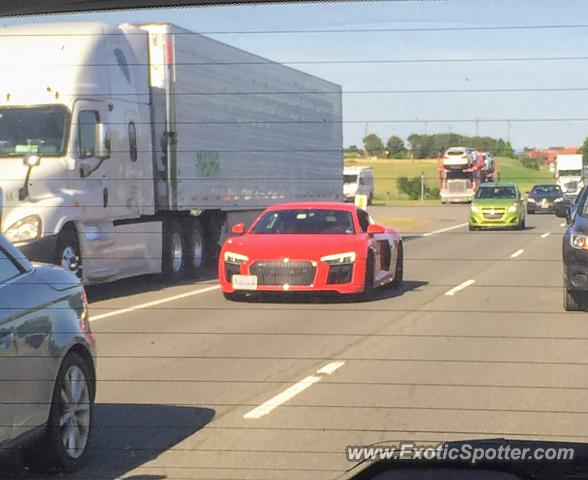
[305, 221]
[570, 173]
[350, 178]
[458, 175]
[33, 130]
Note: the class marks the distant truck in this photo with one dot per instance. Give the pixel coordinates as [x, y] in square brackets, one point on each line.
[462, 170]
[131, 149]
[569, 174]
[358, 181]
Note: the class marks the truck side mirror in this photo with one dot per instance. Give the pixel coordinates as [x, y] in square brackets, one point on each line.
[30, 160]
[102, 141]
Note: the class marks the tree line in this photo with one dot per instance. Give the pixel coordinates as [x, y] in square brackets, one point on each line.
[429, 146]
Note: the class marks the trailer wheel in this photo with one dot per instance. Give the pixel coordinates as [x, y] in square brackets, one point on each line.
[174, 248]
[196, 248]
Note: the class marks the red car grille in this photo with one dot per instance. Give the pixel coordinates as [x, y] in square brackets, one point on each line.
[280, 272]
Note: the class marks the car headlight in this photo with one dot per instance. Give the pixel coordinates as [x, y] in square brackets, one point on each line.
[235, 258]
[339, 258]
[558, 199]
[474, 208]
[531, 200]
[513, 208]
[29, 228]
[579, 241]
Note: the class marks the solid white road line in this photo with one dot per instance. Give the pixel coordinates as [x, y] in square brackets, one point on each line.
[434, 232]
[517, 253]
[292, 391]
[460, 287]
[545, 235]
[152, 304]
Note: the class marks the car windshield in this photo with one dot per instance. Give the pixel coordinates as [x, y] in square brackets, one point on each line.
[545, 190]
[485, 193]
[305, 221]
[40, 130]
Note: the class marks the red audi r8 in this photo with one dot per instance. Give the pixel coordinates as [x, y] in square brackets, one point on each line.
[314, 246]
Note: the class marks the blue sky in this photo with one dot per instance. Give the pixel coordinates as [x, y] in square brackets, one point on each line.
[420, 111]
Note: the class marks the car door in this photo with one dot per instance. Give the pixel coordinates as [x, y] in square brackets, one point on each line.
[379, 245]
[10, 411]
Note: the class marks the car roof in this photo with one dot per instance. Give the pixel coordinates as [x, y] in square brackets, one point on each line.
[14, 253]
[350, 207]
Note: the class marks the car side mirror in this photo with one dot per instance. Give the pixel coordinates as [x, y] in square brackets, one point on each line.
[102, 141]
[238, 228]
[374, 228]
[563, 211]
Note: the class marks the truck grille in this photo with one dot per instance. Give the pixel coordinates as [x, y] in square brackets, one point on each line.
[457, 186]
[280, 272]
[493, 214]
[571, 186]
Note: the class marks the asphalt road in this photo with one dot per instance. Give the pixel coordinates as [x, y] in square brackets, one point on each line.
[180, 379]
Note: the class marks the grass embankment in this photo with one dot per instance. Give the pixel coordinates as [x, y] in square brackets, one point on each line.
[387, 171]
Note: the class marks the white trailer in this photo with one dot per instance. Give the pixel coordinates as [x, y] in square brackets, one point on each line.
[569, 174]
[125, 150]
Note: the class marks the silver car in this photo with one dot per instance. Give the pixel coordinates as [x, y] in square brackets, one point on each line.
[47, 363]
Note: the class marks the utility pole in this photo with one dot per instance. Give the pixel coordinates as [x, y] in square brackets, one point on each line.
[508, 130]
[477, 131]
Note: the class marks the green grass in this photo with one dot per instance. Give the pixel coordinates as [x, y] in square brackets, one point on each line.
[512, 171]
[387, 171]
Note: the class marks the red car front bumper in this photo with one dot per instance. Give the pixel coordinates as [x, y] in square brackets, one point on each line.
[320, 283]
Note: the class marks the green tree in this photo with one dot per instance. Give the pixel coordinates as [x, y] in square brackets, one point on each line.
[372, 144]
[508, 151]
[395, 147]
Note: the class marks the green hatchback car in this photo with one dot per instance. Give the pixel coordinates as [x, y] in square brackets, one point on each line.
[497, 205]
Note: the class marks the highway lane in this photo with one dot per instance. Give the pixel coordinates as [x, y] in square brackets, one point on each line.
[176, 379]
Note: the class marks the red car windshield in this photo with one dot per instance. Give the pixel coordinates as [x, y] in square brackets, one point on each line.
[305, 221]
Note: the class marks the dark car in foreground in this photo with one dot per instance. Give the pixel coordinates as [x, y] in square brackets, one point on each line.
[47, 363]
[575, 252]
[544, 197]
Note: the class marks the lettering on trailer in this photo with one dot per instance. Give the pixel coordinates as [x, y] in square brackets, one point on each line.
[208, 164]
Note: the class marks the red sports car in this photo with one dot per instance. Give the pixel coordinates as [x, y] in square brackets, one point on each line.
[314, 246]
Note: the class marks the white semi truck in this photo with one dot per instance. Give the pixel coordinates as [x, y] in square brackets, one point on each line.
[130, 149]
[569, 174]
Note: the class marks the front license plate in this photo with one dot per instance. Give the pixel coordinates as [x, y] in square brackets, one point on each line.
[244, 282]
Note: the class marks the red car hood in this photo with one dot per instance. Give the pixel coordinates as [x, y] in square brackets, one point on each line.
[278, 246]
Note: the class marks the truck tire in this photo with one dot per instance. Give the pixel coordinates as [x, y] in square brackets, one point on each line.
[196, 248]
[572, 300]
[51, 451]
[67, 253]
[174, 251]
